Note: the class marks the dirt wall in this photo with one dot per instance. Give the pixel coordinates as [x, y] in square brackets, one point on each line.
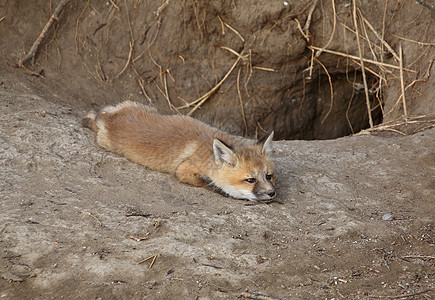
[249, 62]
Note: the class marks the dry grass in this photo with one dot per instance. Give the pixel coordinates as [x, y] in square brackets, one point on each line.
[378, 68]
[410, 125]
[369, 38]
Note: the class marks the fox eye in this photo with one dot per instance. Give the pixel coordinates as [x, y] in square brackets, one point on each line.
[251, 180]
[269, 177]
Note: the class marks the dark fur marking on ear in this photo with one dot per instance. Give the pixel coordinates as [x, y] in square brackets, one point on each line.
[225, 144]
[264, 138]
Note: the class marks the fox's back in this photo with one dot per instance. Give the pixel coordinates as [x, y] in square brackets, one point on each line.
[160, 142]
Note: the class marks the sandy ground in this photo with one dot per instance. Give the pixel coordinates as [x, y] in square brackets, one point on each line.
[75, 221]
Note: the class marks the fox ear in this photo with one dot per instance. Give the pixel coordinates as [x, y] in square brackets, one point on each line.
[222, 153]
[266, 141]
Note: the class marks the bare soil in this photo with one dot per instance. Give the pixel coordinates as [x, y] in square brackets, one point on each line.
[354, 216]
[71, 215]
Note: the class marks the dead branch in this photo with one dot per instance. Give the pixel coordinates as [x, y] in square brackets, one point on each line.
[412, 41]
[207, 95]
[363, 71]
[153, 257]
[334, 24]
[130, 53]
[231, 28]
[76, 36]
[263, 69]
[306, 37]
[402, 84]
[424, 4]
[390, 49]
[308, 22]
[99, 222]
[330, 87]
[378, 63]
[55, 17]
[139, 239]
[241, 101]
[114, 5]
[427, 120]
[198, 102]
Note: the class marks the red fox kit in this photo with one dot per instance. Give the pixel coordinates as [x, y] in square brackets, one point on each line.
[194, 152]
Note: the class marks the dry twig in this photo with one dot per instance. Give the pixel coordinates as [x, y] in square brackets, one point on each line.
[231, 28]
[288, 17]
[402, 84]
[419, 256]
[367, 36]
[331, 89]
[140, 82]
[306, 37]
[389, 126]
[334, 24]
[412, 41]
[390, 49]
[161, 8]
[241, 101]
[130, 54]
[308, 22]
[424, 4]
[99, 222]
[139, 239]
[233, 52]
[153, 257]
[263, 69]
[372, 44]
[366, 89]
[359, 58]
[131, 43]
[222, 24]
[198, 102]
[114, 5]
[165, 85]
[76, 36]
[54, 17]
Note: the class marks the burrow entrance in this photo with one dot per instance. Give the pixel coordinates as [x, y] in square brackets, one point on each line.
[314, 114]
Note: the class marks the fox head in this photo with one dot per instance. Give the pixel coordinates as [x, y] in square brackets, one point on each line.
[245, 173]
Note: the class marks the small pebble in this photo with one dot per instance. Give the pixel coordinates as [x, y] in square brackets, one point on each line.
[387, 217]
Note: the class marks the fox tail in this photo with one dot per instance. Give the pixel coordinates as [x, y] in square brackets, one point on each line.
[90, 120]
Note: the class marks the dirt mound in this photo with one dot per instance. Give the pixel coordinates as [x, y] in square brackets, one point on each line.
[77, 221]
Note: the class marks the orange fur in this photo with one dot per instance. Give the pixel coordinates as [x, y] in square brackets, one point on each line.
[194, 152]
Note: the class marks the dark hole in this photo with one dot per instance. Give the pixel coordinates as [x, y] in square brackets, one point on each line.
[311, 114]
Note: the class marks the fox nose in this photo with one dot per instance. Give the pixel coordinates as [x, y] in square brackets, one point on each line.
[271, 193]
